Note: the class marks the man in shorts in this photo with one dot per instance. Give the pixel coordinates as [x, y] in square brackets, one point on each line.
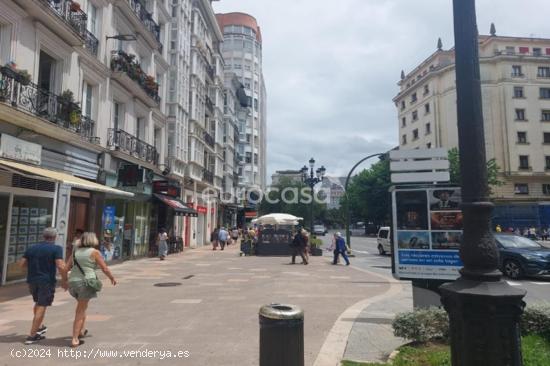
[41, 261]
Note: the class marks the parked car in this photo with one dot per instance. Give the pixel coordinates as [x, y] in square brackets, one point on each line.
[520, 256]
[319, 230]
[384, 240]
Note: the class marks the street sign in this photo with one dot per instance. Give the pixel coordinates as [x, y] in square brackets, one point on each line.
[427, 233]
[419, 166]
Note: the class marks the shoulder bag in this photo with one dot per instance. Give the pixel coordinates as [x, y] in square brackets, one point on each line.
[93, 283]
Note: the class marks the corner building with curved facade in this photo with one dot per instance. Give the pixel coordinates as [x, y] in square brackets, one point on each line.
[242, 53]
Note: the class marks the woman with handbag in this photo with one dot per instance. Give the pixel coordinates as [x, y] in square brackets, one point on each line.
[83, 282]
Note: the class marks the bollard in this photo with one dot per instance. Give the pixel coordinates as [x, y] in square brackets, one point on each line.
[281, 335]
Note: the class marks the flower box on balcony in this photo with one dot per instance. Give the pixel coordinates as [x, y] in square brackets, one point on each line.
[21, 76]
[75, 7]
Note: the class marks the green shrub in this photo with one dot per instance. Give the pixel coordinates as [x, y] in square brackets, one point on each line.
[536, 320]
[422, 325]
[314, 242]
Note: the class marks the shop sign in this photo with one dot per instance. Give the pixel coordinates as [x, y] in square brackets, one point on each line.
[166, 188]
[202, 209]
[130, 175]
[427, 233]
[250, 214]
[17, 149]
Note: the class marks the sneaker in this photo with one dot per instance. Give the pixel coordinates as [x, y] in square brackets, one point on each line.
[42, 330]
[35, 338]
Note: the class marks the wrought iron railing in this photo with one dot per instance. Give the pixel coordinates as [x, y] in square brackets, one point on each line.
[209, 105]
[71, 13]
[124, 62]
[20, 93]
[209, 139]
[91, 42]
[145, 17]
[123, 141]
[208, 176]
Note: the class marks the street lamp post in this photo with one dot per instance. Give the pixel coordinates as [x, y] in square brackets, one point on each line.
[311, 180]
[484, 311]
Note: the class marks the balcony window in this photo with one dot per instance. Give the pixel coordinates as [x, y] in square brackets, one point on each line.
[543, 72]
[517, 71]
[537, 52]
[522, 137]
[523, 162]
[429, 145]
[46, 72]
[415, 116]
[547, 162]
[510, 50]
[414, 98]
[426, 89]
[404, 122]
[518, 92]
[545, 116]
[524, 50]
[544, 93]
[546, 137]
[404, 140]
[415, 134]
[87, 99]
[520, 114]
[428, 128]
[427, 108]
[402, 105]
[521, 188]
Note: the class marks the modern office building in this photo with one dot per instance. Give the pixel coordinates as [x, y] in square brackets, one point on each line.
[515, 77]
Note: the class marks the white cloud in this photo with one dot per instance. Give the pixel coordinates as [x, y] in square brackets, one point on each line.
[331, 68]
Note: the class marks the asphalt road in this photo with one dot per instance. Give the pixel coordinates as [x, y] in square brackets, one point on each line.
[367, 257]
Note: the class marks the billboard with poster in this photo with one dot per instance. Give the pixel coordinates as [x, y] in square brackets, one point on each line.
[427, 232]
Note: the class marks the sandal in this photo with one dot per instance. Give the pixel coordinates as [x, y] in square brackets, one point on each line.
[84, 334]
[80, 343]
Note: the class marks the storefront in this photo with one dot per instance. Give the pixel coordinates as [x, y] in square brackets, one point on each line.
[31, 199]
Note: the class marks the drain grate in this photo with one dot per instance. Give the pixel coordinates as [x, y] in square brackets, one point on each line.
[167, 284]
[188, 277]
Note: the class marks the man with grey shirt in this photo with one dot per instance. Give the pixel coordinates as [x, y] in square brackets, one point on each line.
[41, 261]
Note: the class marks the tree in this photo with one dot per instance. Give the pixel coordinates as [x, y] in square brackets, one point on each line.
[454, 169]
[368, 194]
[293, 198]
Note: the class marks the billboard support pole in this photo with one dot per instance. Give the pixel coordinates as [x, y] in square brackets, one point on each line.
[484, 311]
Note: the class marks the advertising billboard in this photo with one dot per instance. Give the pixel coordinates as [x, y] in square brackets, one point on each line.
[427, 233]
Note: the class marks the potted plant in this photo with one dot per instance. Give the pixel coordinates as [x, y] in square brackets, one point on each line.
[75, 7]
[69, 111]
[11, 71]
[315, 246]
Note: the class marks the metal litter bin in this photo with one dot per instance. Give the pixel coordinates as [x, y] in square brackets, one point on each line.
[281, 335]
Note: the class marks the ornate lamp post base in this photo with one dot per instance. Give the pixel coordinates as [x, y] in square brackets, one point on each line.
[484, 320]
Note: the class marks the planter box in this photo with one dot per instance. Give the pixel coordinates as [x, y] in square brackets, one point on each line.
[316, 252]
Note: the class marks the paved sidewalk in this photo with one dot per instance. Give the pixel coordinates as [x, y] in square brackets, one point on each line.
[213, 314]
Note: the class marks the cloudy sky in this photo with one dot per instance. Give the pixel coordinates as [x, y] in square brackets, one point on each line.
[331, 67]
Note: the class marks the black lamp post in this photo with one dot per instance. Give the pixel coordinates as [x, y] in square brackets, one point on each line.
[311, 180]
[484, 311]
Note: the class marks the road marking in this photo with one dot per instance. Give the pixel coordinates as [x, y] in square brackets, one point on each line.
[541, 283]
[186, 301]
[511, 283]
[360, 251]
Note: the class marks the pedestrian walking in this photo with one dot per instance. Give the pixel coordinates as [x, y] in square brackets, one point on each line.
[162, 243]
[83, 282]
[544, 235]
[340, 249]
[223, 236]
[235, 234]
[532, 233]
[76, 241]
[214, 238]
[41, 261]
[298, 245]
[307, 246]
[106, 247]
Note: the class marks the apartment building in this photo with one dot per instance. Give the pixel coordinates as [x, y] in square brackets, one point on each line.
[515, 77]
[242, 52]
[205, 166]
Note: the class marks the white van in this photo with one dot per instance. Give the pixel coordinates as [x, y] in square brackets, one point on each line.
[384, 240]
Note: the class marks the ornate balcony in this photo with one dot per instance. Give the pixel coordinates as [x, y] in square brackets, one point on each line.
[209, 139]
[129, 144]
[24, 95]
[122, 62]
[91, 43]
[208, 176]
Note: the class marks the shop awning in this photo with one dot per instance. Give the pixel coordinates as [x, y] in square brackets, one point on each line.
[61, 177]
[181, 208]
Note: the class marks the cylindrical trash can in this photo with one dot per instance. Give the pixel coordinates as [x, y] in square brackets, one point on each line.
[281, 335]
